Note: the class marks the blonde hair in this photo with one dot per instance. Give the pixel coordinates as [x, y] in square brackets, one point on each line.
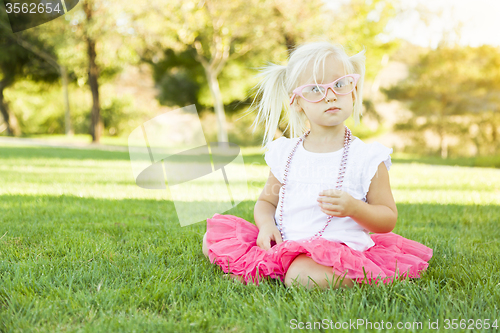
[279, 81]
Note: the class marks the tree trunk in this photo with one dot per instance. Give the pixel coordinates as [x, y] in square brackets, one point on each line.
[494, 134]
[10, 120]
[290, 42]
[67, 118]
[218, 106]
[96, 123]
[289, 38]
[444, 146]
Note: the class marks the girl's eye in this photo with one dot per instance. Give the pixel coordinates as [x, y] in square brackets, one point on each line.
[312, 89]
[341, 83]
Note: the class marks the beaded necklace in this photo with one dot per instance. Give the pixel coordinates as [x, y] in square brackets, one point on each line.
[347, 142]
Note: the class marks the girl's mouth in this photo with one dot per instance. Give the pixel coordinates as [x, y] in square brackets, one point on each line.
[332, 110]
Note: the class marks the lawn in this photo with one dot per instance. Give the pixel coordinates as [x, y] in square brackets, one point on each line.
[82, 248]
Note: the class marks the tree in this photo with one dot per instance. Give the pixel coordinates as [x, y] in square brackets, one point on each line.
[219, 31]
[21, 58]
[94, 26]
[224, 32]
[54, 62]
[299, 21]
[96, 122]
[449, 82]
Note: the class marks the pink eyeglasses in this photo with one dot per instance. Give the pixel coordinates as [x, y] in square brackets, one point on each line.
[317, 92]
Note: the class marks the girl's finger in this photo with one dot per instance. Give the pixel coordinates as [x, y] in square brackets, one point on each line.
[329, 212]
[277, 237]
[326, 199]
[327, 206]
[331, 192]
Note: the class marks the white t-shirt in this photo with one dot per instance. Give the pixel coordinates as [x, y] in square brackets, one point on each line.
[310, 173]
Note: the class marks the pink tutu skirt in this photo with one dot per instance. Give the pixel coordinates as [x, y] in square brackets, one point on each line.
[232, 245]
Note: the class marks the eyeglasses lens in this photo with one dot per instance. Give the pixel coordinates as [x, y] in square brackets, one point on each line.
[316, 93]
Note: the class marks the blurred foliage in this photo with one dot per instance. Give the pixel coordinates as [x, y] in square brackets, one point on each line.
[40, 109]
[120, 116]
[484, 133]
[17, 63]
[450, 91]
[271, 35]
[43, 109]
[409, 53]
[41, 104]
[181, 81]
[173, 37]
[360, 23]
[177, 76]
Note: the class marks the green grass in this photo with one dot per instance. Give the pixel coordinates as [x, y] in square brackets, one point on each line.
[84, 249]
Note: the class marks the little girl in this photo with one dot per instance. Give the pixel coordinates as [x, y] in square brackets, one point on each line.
[326, 191]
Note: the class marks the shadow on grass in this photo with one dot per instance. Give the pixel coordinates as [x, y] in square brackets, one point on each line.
[84, 154]
[61, 153]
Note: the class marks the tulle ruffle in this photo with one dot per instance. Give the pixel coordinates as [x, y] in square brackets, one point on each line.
[232, 245]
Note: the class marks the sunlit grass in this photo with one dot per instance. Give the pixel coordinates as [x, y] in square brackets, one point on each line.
[83, 248]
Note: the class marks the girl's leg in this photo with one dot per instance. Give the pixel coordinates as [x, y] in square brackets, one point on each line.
[205, 252]
[204, 247]
[306, 272]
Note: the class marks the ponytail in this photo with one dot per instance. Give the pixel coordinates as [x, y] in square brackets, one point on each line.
[358, 64]
[274, 99]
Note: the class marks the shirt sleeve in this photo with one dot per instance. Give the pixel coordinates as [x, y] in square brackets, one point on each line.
[376, 154]
[274, 157]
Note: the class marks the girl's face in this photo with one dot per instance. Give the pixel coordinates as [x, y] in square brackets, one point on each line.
[316, 112]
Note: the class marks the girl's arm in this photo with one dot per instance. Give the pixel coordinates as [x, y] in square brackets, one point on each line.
[264, 211]
[380, 214]
[266, 204]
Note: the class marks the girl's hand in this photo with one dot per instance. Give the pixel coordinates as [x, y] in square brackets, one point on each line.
[267, 234]
[336, 203]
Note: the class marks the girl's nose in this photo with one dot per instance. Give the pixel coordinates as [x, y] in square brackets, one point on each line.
[330, 95]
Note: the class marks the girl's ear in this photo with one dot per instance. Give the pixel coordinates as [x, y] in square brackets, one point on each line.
[296, 107]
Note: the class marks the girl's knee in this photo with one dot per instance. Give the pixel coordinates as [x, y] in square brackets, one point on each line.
[205, 245]
[297, 273]
[341, 280]
[306, 272]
